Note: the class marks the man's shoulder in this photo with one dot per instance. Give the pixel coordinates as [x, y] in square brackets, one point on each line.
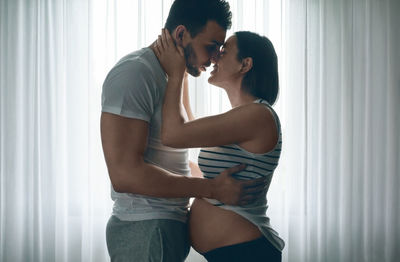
[138, 60]
[141, 63]
[130, 88]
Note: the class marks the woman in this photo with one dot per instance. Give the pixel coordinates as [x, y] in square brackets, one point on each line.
[249, 133]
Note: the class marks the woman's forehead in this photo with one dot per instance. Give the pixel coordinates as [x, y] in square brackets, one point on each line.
[231, 42]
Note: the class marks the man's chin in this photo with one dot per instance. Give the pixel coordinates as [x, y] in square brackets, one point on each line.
[194, 71]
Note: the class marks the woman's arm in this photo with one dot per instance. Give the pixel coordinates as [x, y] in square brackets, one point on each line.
[238, 125]
[186, 99]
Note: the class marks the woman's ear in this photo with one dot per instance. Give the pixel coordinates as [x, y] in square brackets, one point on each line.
[179, 34]
[247, 64]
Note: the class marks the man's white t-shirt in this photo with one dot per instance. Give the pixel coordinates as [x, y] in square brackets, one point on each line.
[134, 88]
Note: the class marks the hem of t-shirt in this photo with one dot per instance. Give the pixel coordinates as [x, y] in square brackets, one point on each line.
[265, 228]
[141, 217]
[272, 236]
[125, 113]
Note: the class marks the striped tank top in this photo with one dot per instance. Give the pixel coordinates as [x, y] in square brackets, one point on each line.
[213, 160]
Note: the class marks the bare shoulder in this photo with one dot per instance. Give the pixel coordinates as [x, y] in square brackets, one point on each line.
[260, 120]
[257, 115]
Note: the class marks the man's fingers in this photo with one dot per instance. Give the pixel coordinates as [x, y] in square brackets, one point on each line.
[254, 190]
[248, 199]
[262, 181]
[234, 169]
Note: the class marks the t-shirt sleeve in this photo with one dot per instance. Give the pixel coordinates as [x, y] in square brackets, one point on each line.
[129, 91]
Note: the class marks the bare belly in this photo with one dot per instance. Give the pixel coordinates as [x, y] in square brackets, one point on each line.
[213, 227]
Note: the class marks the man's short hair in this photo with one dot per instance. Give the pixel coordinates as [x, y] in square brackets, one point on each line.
[194, 15]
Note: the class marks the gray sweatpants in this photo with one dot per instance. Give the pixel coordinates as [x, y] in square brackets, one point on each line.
[157, 240]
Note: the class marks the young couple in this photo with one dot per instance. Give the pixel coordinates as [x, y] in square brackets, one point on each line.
[147, 126]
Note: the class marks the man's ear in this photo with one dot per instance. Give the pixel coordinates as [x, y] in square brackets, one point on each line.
[247, 64]
[180, 32]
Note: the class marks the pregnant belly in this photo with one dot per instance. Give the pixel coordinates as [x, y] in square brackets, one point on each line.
[213, 227]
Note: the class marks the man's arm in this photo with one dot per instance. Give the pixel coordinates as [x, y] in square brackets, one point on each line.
[124, 142]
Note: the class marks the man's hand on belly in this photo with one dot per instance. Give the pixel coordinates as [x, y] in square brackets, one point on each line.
[231, 191]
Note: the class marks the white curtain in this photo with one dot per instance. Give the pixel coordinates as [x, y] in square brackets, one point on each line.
[335, 195]
[341, 104]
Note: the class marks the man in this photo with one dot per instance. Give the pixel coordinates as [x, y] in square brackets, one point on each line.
[151, 185]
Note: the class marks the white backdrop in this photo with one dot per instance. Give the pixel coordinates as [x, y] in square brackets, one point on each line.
[335, 195]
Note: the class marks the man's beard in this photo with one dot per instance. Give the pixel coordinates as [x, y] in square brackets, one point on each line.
[191, 58]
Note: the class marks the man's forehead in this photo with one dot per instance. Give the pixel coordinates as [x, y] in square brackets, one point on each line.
[217, 43]
[213, 33]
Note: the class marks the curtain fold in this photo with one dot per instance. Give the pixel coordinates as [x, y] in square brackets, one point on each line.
[335, 195]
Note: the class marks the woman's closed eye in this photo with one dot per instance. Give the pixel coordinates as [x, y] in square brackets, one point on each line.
[221, 53]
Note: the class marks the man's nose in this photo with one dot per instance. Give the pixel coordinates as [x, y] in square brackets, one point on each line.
[214, 58]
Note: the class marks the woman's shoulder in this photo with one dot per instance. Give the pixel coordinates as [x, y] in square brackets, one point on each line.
[256, 113]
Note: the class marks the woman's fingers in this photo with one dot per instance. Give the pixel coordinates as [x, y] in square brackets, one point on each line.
[180, 50]
[160, 43]
[164, 39]
[157, 48]
[168, 42]
[165, 42]
[171, 57]
[168, 37]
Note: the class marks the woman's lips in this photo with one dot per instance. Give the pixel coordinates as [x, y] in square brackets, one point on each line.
[215, 70]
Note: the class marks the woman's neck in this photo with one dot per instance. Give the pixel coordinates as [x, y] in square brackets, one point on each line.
[238, 97]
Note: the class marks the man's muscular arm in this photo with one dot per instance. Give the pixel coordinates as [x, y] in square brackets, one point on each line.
[124, 141]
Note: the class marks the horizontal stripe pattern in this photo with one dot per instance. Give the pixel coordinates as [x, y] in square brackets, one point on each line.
[213, 160]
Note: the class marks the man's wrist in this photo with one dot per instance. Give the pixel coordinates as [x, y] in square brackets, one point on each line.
[210, 186]
[203, 187]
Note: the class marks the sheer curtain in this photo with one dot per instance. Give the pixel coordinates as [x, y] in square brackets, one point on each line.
[335, 195]
[340, 109]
